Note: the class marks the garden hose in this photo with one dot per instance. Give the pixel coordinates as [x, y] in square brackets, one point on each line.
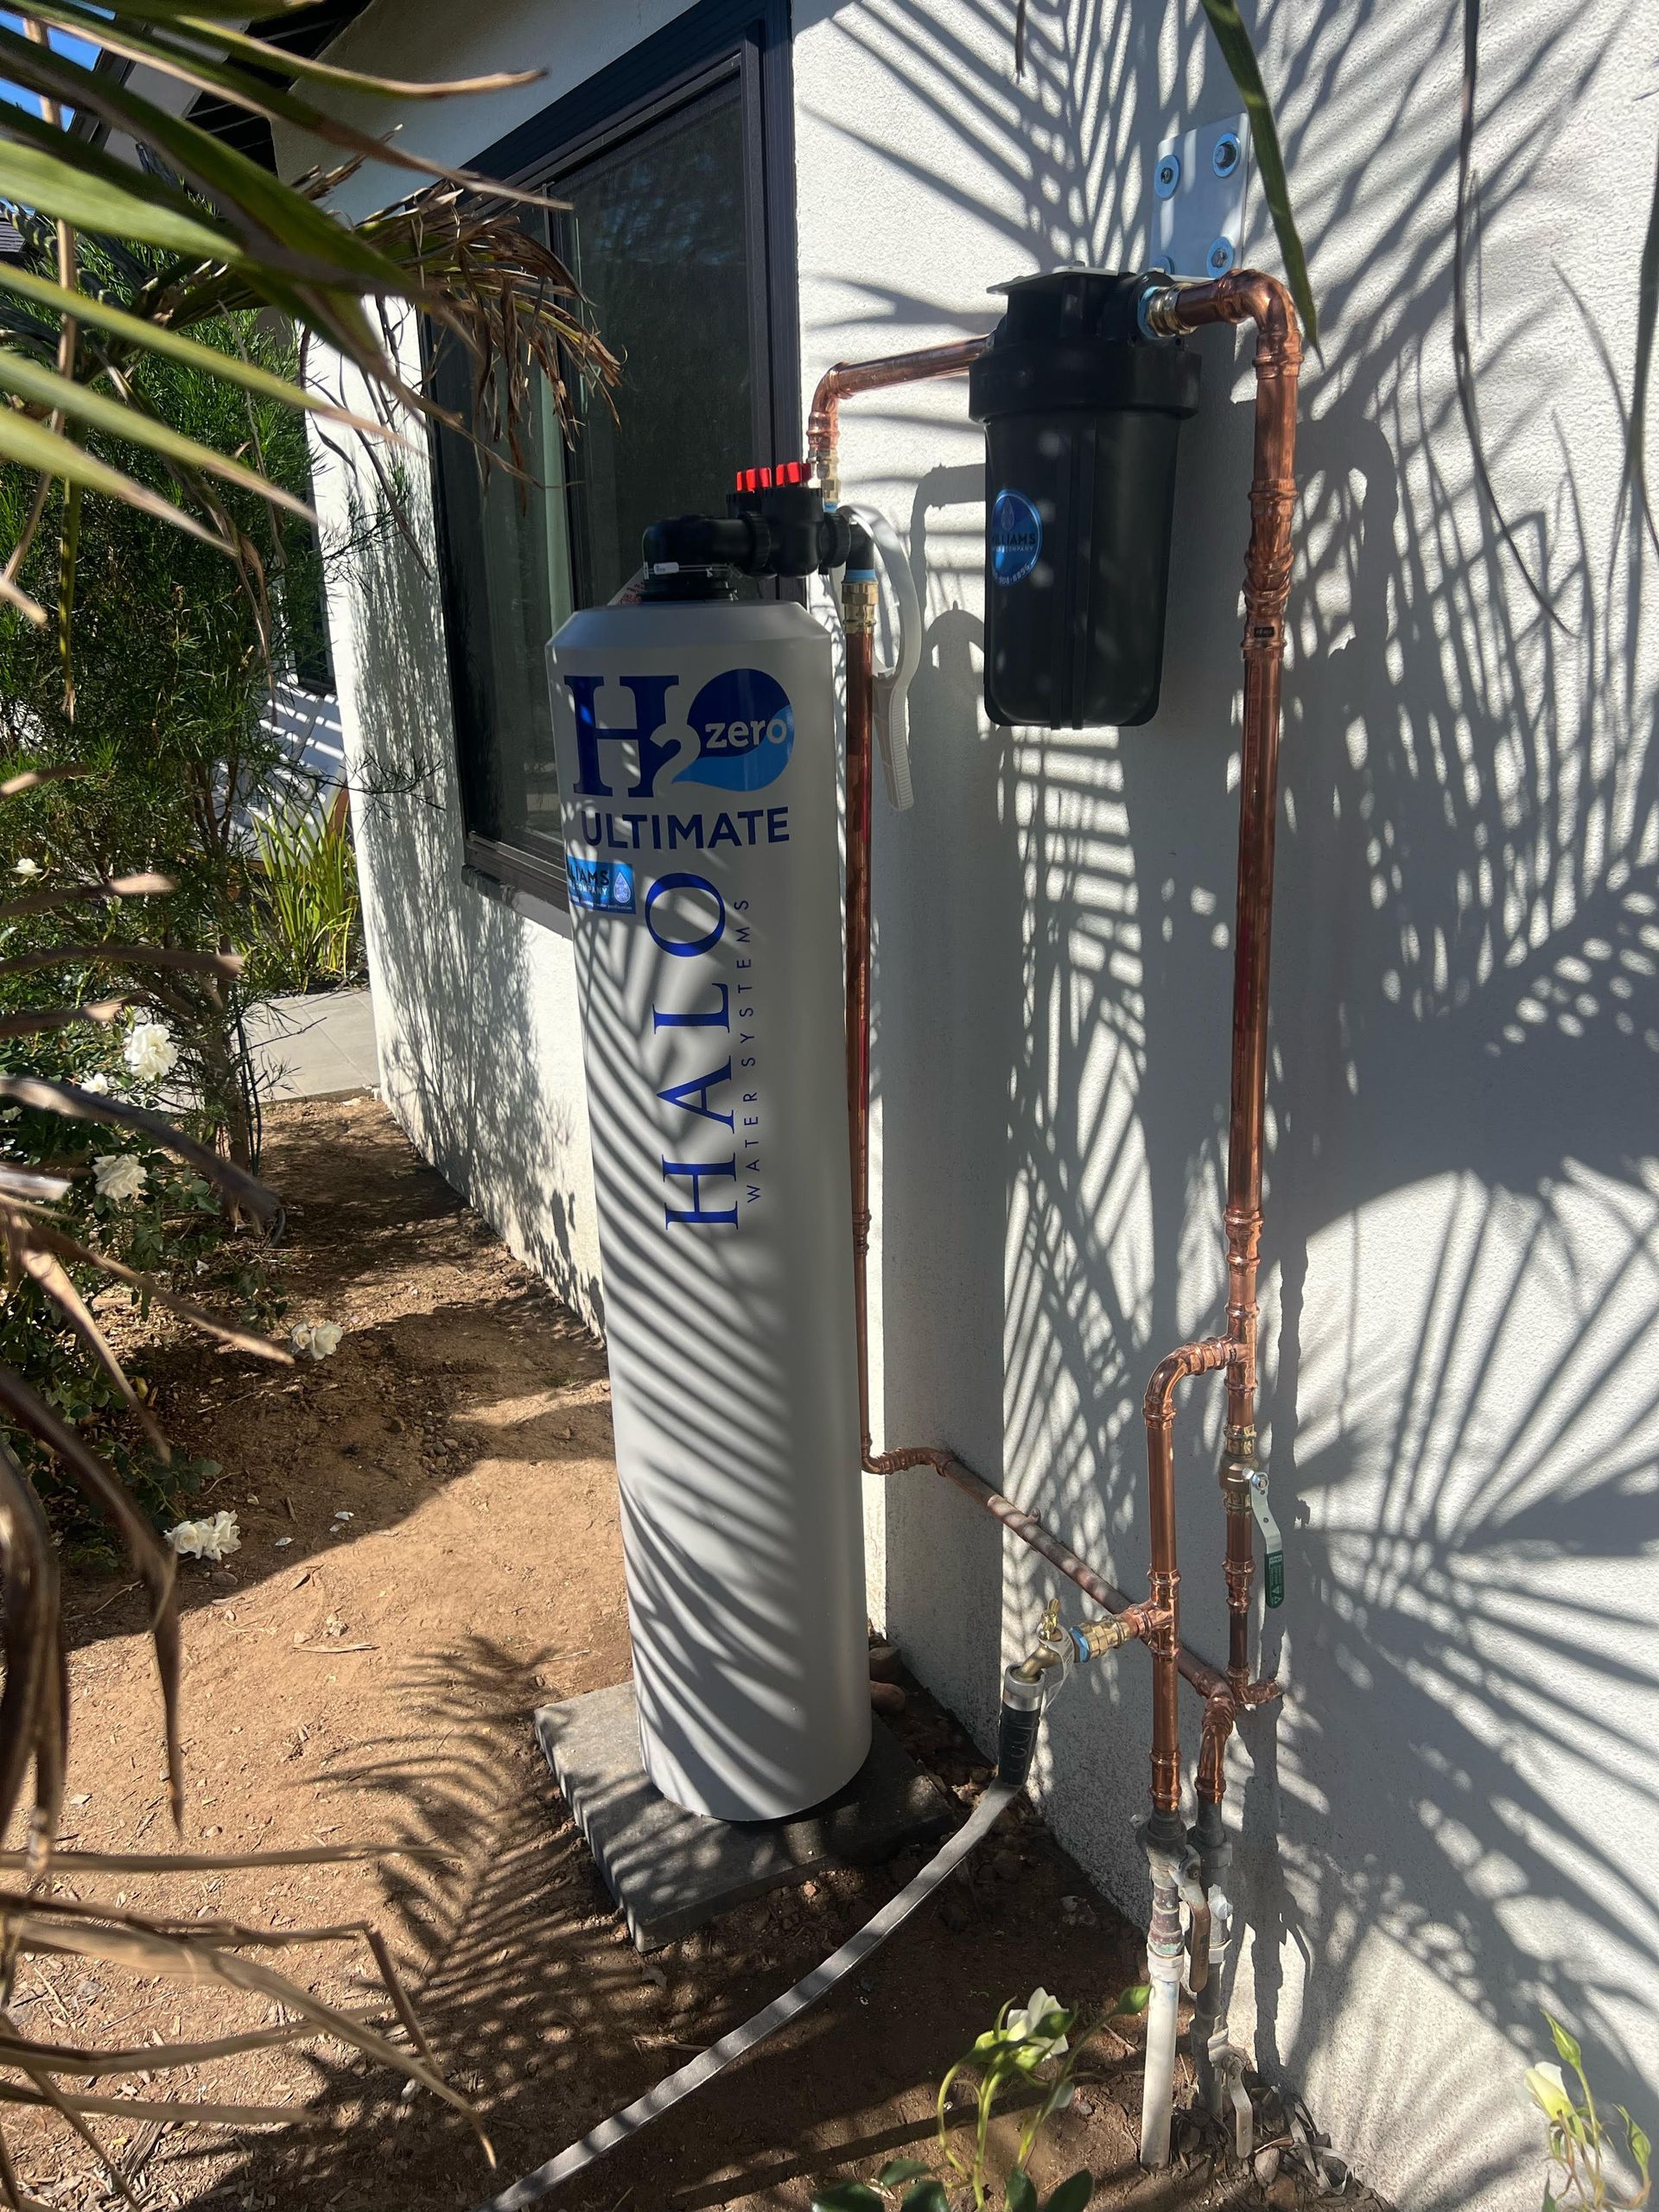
[1017, 1738]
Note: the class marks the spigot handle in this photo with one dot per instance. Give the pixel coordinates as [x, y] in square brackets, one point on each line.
[1273, 1543]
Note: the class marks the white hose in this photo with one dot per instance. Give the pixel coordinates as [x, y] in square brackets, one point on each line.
[692, 2075]
[892, 715]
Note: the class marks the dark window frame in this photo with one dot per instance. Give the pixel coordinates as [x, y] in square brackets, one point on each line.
[694, 55]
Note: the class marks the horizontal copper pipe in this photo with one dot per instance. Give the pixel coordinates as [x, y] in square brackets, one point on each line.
[846, 378]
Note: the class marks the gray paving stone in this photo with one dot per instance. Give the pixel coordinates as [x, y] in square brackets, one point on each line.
[671, 1871]
[318, 1047]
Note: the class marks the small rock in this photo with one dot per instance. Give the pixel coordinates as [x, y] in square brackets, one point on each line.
[885, 1697]
[1265, 2165]
[1086, 2105]
[885, 1662]
[1282, 2194]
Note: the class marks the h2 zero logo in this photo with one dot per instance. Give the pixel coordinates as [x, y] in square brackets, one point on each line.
[741, 721]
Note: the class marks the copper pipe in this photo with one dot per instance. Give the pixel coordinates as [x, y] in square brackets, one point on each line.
[1165, 1575]
[858, 615]
[823, 423]
[1157, 1623]
[1244, 296]
[1239, 1571]
[1139, 1620]
[1219, 1712]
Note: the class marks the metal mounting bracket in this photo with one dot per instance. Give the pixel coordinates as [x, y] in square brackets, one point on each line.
[1199, 183]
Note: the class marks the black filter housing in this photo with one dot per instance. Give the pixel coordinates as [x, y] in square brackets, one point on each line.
[1082, 412]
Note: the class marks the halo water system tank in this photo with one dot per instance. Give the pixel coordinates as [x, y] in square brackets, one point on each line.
[1082, 411]
[696, 760]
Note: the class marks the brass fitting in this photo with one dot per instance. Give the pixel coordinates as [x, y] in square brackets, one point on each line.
[1158, 311]
[1239, 1463]
[858, 603]
[1109, 1635]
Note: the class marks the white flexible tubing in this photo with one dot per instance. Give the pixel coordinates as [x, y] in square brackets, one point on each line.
[692, 2075]
[1158, 2090]
[892, 715]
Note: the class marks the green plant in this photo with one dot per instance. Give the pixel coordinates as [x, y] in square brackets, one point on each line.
[97, 1189]
[1578, 2138]
[308, 897]
[1029, 2047]
[167, 707]
[221, 235]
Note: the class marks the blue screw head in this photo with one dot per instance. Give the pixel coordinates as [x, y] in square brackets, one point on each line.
[1228, 154]
[1166, 176]
[1220, 257]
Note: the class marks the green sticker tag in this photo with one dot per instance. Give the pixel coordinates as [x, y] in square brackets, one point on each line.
[1272, 1542]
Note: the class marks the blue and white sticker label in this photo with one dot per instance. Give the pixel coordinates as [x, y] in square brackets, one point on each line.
[744, 728]
[607, 886]
[1016, 537]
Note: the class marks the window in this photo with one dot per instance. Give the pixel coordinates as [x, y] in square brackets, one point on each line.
[678, 176]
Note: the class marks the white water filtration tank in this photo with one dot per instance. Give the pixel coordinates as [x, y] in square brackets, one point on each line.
[695, 748]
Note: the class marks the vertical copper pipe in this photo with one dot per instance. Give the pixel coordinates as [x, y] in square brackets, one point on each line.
[1157, 1622]
[1240, 1572]
[1248, 297]
[1219, 1711]
[858, 609]
[1165, 1576]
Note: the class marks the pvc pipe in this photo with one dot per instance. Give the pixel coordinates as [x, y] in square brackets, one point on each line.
[1164, 1953]
[1157, 2088]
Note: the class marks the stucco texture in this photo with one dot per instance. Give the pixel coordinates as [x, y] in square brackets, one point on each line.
[1449, 1822]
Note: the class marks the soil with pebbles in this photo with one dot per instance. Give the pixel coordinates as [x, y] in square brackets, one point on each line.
[430, 1549]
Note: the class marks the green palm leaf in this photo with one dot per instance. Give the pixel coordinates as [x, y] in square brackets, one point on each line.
[1239, 53]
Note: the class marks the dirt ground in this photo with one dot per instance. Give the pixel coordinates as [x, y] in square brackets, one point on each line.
[429, 1550]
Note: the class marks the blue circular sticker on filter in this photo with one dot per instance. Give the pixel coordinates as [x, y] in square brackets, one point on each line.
[745, 730]
[1016, 537]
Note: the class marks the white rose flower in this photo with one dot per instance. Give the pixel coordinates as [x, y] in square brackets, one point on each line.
[215, 1538]
[1549, 2092]
[150, 1050]
[1024, 2023]
[98, 1083]
[317, 1339]
[117, 1175]
[25, 867]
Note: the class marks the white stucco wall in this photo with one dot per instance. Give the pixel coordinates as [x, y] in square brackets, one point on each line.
[1450, 1821]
